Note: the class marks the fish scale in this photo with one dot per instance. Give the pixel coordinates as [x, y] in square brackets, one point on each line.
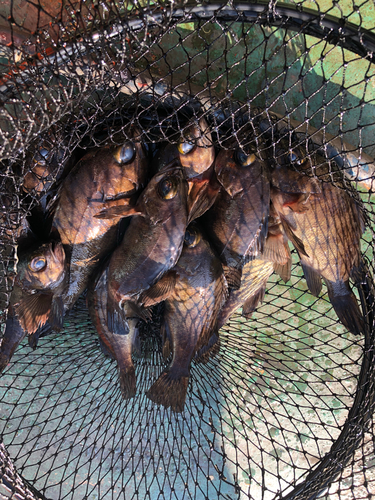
[326, 229]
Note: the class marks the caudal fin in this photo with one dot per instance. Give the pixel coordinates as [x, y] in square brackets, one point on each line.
[128, 383]
[346, 306]
[13, 336]
[169, 391]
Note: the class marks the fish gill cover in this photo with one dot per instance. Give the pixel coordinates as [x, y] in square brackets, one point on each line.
[239, 363]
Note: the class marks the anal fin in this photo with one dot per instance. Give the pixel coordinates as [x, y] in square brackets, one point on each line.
[128, 383]
[313, 279]
[252, 302]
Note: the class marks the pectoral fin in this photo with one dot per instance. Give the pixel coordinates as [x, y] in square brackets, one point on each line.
[313, 279]
[201, 197]
[292, 237]
[33, 311]
[233, 276]
[252, 302]
[160, 291]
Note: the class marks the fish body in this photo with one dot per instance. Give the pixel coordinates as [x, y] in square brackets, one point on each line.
[255, 273]
[356, 165]
[118, 346]
[106, 177]
[325, 226]
[36, 296]
[154, 238]
[151, 247]
[194, 292]
[196, 154]
[237, 222]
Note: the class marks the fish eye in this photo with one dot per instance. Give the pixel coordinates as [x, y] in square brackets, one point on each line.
[192, 237]
[125, 154]
[168, 188]
[242, 159]
[185, 147]
[294, 158]
[38, 264]
[41, 156]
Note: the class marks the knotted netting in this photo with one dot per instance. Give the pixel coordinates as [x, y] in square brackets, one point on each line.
[284, 410]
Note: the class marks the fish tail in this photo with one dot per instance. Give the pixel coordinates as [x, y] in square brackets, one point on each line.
[13, 336]
[364, 282]
[346, 306]
[128, 382]
[169, 390]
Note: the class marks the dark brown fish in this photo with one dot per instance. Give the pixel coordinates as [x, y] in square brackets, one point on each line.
[119, 346]
[255, 273]
[196, 153]
[104, 178]
[44, 167]
[194, 291]
[325, 225]
[151, 246]
[36, 296]
[237, 222]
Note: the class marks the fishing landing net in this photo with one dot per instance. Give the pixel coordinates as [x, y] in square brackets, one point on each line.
[285, 409]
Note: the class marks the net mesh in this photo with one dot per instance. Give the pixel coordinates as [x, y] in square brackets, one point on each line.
[284, 410]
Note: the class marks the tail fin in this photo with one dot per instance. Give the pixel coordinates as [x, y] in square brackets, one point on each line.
[13, 336]
[345, 305]
[169, 391]
[364, 282]
[128, 383]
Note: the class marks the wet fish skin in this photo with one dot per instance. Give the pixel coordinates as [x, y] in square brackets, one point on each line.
[36, 295]
[356, 165]
[196, 153]
[105, 177]
[194, 291]
[326, 233]
[154, 238]
[151, 247]
[237, 222]
[119, 346]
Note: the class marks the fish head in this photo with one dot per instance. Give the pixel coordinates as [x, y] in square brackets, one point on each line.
[293, 171]
[196, 150]
[230, 168]
[165, 194]
[42, 168]
[131, 161]
[42, 269]
[166, 155]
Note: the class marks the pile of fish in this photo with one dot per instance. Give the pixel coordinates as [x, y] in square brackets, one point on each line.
[198, 229]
